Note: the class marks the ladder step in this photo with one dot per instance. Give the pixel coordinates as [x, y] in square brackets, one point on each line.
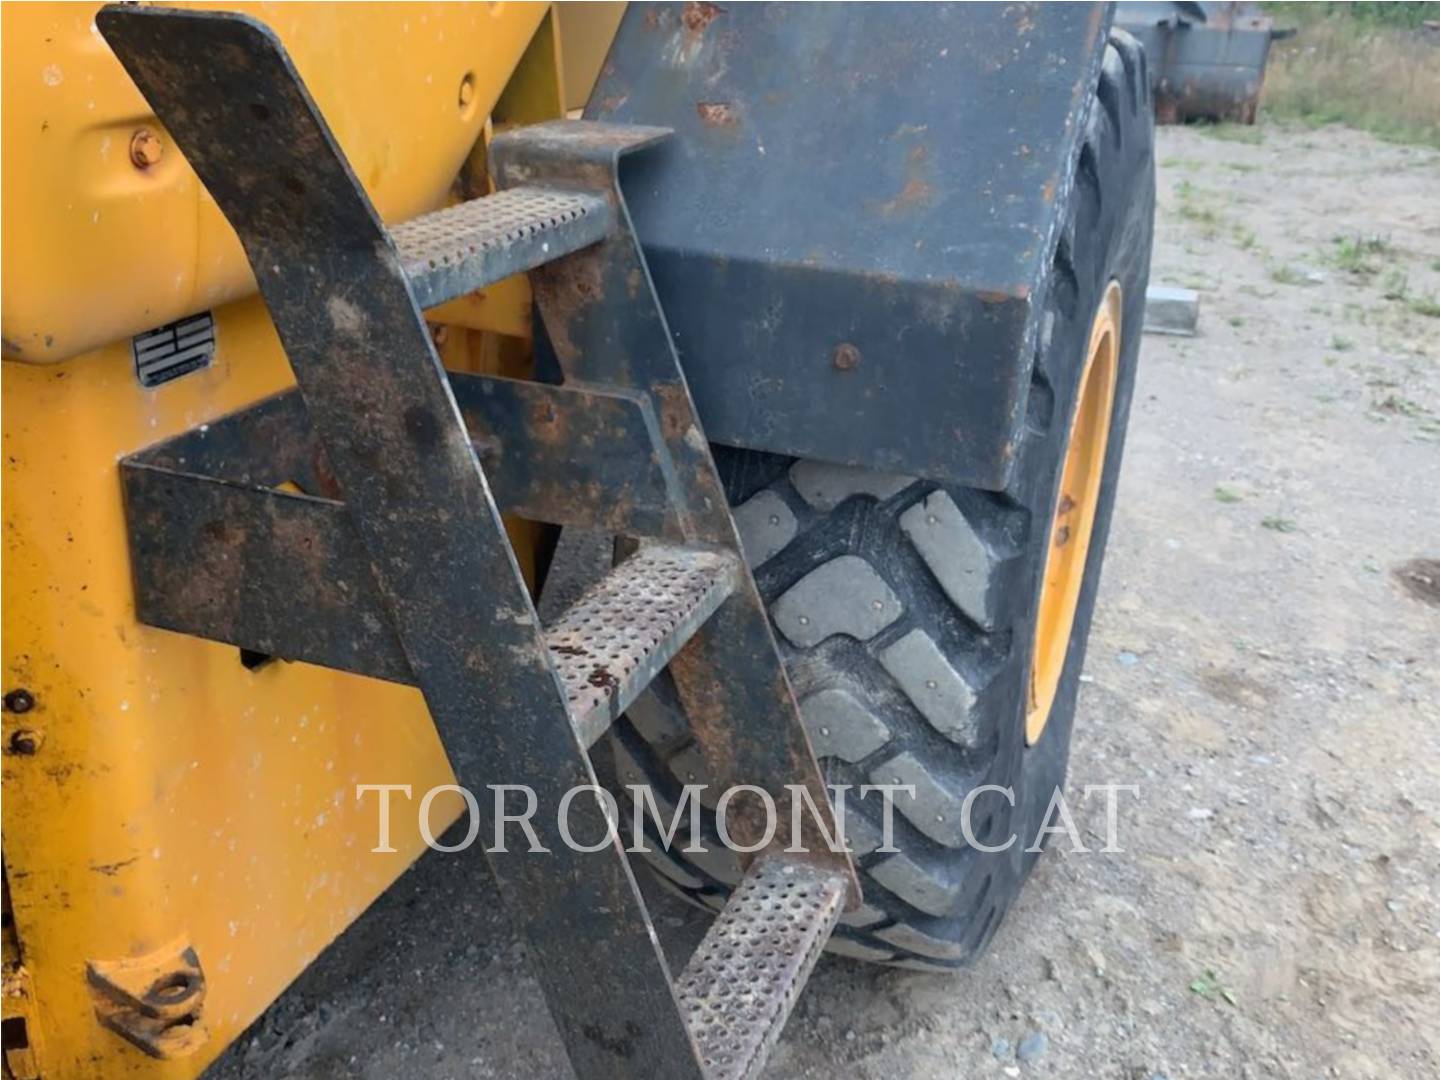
[455, 251]
[742, 982]
[626, 627]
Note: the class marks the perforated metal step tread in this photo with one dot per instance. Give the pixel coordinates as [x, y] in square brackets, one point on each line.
[624, 629]
[742, 982]
[462, 248]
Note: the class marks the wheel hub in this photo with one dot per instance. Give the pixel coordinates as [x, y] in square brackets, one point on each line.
[1074, 518]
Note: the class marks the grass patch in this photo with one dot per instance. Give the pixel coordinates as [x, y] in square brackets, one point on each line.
[1195, 207]
[1226, 132]
[1424, 305]
[1360, 254]
[1225, 495]
[1364, 64]
[1398, 405]
[1255, 290]
[1278, 524]
[1285, 274]
[1340, 344]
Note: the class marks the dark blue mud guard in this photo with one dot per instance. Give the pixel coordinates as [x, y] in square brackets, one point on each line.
[851, 231]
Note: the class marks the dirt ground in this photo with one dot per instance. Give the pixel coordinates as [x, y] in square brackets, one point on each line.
[1263, 667]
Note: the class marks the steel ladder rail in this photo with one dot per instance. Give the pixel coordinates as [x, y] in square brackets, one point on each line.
[346, 295]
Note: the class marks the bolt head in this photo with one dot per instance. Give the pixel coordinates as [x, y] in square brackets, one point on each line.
[146, 149]
[846, 357]
[25, 742]
[19, 700]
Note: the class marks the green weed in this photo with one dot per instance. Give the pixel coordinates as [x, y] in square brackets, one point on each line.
[1424, 305]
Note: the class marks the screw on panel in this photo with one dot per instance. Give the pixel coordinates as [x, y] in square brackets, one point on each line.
[25, 742]
[19, 700]
[846, 357]
[146, 149]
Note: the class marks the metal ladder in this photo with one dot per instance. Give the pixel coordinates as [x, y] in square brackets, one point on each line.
[513, 701]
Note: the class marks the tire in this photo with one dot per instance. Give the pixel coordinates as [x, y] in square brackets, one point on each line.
[938, 696]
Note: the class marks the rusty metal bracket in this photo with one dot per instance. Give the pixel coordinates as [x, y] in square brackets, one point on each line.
[230, 523]
[607, 327]
[155, 1001]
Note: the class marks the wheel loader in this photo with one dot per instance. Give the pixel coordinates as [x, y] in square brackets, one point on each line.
[785, 350]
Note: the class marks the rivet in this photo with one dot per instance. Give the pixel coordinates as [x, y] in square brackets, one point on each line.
[146, 149]
[845, 357]
[467, 90]
[25, 741]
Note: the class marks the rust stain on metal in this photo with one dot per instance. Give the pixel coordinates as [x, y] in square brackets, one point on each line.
[324, 476]
[543, 414]
[602, 678]
[562, 294]
[717, 113]
[111, 869]
[916, 192]
[699, 15]
[1098, 14]
[674, 410]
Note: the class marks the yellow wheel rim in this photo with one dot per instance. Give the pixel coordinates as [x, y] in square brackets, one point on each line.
[1074, 520]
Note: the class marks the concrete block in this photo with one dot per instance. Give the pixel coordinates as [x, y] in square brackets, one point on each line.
[1171, 310]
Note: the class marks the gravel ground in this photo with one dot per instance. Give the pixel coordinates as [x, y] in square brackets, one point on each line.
[1263, 667]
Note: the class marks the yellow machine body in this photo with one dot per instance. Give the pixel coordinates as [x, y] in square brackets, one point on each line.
[169, 812]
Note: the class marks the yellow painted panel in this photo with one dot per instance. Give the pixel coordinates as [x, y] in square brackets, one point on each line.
[174, 793]
[97, 248]
[586, 31]
[174, 796]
